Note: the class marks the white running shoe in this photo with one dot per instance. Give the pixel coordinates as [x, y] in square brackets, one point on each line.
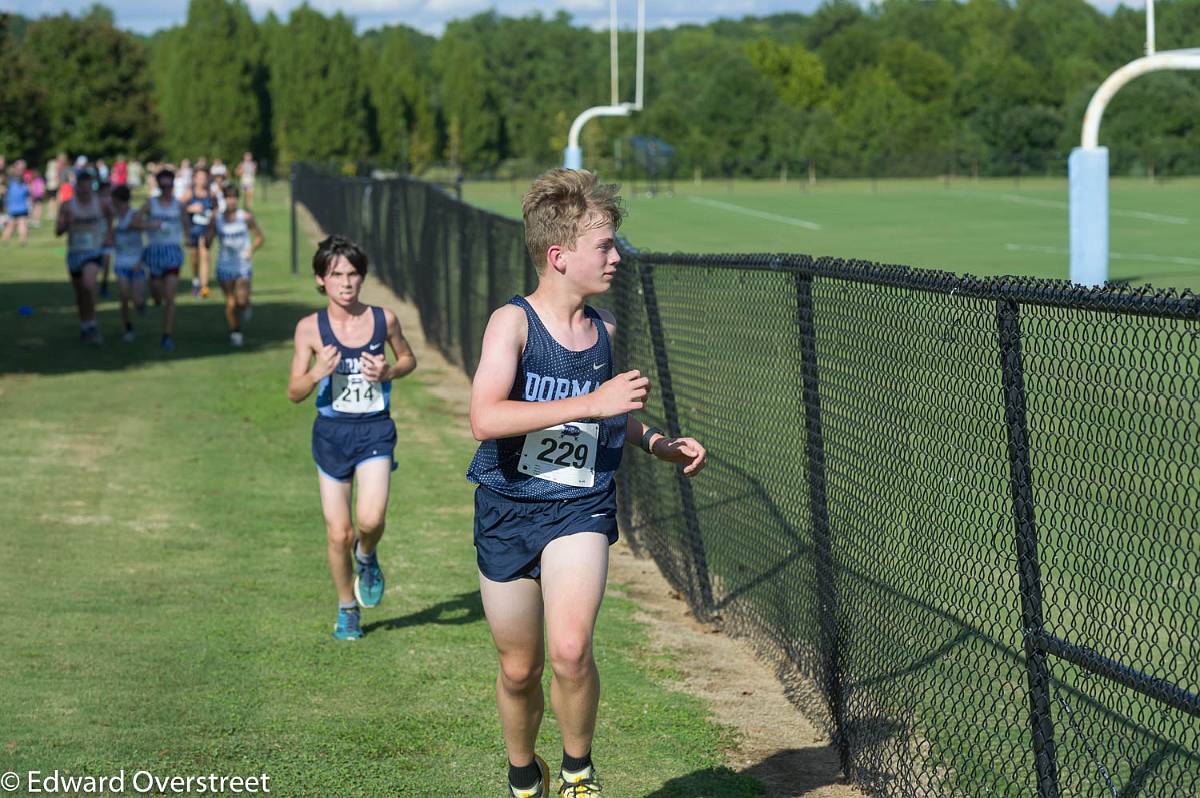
[236, 339]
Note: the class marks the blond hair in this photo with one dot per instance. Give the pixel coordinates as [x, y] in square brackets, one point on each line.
[559, 203]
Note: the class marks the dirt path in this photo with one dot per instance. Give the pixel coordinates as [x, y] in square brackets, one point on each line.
[776, 744]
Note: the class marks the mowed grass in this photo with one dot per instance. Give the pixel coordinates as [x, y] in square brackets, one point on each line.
[167, 602]
[986, 227]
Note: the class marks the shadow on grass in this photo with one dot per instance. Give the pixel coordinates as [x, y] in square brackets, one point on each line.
[796, 771]
[47, 340]
[462, 609]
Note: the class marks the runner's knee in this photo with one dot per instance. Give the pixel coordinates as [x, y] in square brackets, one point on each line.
[339, 534]
[371, 523]
[571, 658]
[519, 674]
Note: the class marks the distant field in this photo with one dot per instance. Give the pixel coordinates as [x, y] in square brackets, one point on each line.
[988, 227]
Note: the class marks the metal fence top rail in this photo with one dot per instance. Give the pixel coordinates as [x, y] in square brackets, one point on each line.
[1143, 301]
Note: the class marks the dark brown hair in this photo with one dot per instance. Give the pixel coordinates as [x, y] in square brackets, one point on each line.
[335, 247]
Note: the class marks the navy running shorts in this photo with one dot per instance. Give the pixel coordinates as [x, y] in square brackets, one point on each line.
[77, 259]
[510, 534]
[196, 234]
[339, 446]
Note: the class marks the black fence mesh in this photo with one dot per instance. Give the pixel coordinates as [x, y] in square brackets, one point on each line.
[959, 515]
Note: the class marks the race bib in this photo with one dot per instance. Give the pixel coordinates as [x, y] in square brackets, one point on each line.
[354, 393]
[565, 454]
[200, 219]
[84, 240]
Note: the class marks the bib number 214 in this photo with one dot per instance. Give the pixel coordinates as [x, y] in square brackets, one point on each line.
[353, 393]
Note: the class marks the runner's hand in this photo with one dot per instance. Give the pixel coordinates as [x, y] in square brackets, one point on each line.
[622, 394]
[327, 361]
[686, 452]
[373, 366]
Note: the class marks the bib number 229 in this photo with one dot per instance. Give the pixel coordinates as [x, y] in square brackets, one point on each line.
[565, 454]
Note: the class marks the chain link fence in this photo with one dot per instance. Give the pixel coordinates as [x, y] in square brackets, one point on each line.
[958, 515]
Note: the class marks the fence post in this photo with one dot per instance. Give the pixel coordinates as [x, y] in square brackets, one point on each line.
[699, 570]
[1029, 572]
[292, 192]
[814, 449]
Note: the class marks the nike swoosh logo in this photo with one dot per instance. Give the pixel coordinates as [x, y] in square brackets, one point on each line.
[597, 366]
[373, 347]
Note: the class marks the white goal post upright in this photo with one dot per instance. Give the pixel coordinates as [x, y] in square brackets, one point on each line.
[573, 155]
[1087, 167]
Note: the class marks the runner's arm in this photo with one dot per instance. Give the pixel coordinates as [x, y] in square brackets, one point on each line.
[252, 223]
[304, 378]
[106, 209]
[63, 221]
[406, 361]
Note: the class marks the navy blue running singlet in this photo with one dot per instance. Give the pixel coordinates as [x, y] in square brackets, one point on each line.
[346, 394]
[555, 464]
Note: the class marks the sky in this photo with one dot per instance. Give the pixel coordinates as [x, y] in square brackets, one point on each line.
[431, 16]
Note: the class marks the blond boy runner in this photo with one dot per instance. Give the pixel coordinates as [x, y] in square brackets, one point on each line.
[339, 351]
[552, 418]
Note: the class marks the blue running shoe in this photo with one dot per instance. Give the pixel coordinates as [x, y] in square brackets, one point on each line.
[368, 581]
[167, 343]
[348, 625]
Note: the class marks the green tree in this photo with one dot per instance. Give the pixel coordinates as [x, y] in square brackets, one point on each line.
[23, 132]
[400, 86]
[98, 94]
[212, 81]
[318, 101]
[797, 74]
[468, 96]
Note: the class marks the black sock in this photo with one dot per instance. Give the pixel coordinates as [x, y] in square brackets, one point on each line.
[572, 764]
[525, 777]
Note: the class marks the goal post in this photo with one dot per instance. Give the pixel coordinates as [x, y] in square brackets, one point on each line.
[573, 154]
[1087, 167]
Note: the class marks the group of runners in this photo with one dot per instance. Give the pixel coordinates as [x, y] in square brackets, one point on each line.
[145, 244]
[552, 418]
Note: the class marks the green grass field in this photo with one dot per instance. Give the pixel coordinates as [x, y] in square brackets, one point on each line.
[989, 227]
[167, 602]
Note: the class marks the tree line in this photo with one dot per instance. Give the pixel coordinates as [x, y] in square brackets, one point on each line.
[902, 87]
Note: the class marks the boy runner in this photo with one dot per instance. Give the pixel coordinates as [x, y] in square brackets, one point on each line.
[339, 350]
[104, 192]
[88, 225]
[164, 255]
[552, 418]
[128, 244]
[246, 170]
[199, 203]
[232, 228]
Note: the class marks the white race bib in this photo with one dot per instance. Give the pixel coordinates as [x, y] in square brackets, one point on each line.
[354, 393]
[84, 240]
[565, 454]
